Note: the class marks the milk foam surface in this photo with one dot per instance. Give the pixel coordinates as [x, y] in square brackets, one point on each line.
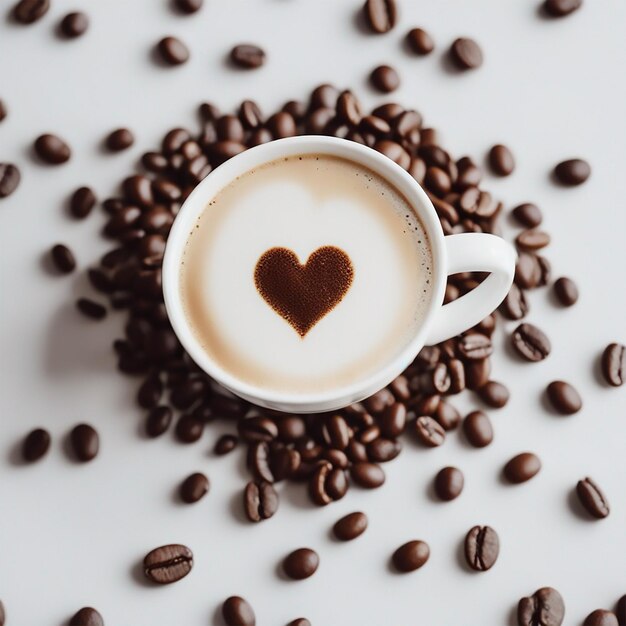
[304, 203]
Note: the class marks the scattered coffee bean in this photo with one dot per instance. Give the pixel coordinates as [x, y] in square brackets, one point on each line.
[328, 484]
[29, 11]
[260, 501]
[194, 487]
[592, 498]
[301, 563]
[188, 428]
[477, 373]
[530, 342]
[564, 398]
[466, 54]
[494, 394]
[52, 149]
[119, 140]
[528, 273]
[600, 617]
[482, 547]
[350, 526]
[158, 421]
[501, 160]
[380, 15]
[420, 41]
[82, 202]
[449, 483]
[85, 442]
[188, 6]
[515, 305]
[614, 364]
[367, 475]
[544, 608]
[392, 421]
[247, 56]
[237, 612]
[91, 309]
[87, 616]
[385, 79]
[300, 621]
[9, 179]
[36, 444]
[225, 444]
[572, 172]
[566, 291]
[477, 429]
[2, 614]
[429, 432]
[3, 110]
[63, 258]
[561, 8]
[447, 416]
[74, 25]
[528, 214]
[532, 239]
[167, 564]
[257, 429]
[173, 51]
[621, 611]
[474, 346]
[522, 467]
[411, 556]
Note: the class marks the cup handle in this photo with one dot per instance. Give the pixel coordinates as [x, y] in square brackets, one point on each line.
[474, 252]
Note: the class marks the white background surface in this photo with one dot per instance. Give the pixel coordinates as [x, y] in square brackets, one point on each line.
[73, 536]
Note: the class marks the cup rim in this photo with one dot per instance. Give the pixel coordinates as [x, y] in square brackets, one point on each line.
[238, 165]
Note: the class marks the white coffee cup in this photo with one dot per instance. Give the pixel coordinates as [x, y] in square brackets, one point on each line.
[451, 254]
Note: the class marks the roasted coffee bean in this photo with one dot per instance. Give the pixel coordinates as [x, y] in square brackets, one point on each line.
[561, 8]
[63, 258]
[260, 501]
[237, 612]
[378, 402]
[600, 617]
[429, 432]
[449, 483]
[301, 563]
[563, 397]
[350, 526]
[420, 41]
[437, 381]
[87, 616]
[522, 467]
[621, 611]
[530, 342]
[336, 432]
[337, 458]
[29, 11]
[348, 108]
[225, 444]
[501, 160]
[380, 15]
[375, 125]
[52, 149]
[481, 548]
[527, 271]
[572, 172]
[188, 6]
[301, 621]
[532, 239]
[477, 428]
[172, 51]
[447, 416]
[474, 346]
[393, 420]
[592, 498]
[281, 125]
[167, 564]
[327, 484]
[189, 428]
[258, 459]
[614, 364]
[367, 475]
[410, 556]
[477, 373]
[527, 214]
[428, 357]
[3, 110]
[193, 488]
[119, 140]
[437, 181]
[82, 202]
[324, 97]
[394, 151]
[91, 309]
[74, 24]
[85, 442]
[494, 394]
[9, 179]
[35, 445]
[247, 56]
[456, 370]
[466, 54]
[544, 608]
[515, 305]
[566, 291]
[381, 450]
[284, 462]
[385, 79]
[158, 421]
[257, 429]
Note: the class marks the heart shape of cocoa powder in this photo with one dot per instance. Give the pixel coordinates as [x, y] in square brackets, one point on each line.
[303, 294]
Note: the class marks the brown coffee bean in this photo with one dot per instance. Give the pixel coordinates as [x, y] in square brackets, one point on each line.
[301, 621]
[327, 484]
[410, 556]
[564, 398]
[527, 271]
[477, 373]
[481, 548]
[82, 202]
[35, 445]
[420, 41]
[260, 501]
[527, 214]
[29, 11]
[514, 306]
[530, 342]
[393, 420]
[447, 416]
[572, 172]
[74, 24]
[494, 394]
[566, 291]
[87, 616]
[437, 181]
[501, 160]
[257, 429]
[167, 564]
[613, 364]
[247, 56]
[429, 432]
[52, 149]
[600, 617]
[301, 563]
[532, 239]
[9, 179]
[385, 79]
[436, 381]
[225, 444]
[350, 526]
[85, 442]
[172, 51]
[158, 421]
[336, 432]
[188, 428]
[91, 309]
[379, 401]
[381, 450]
[367, 475]
[63, 258]
[394, 151]
[544, 608]
[621, 611]
[449, 483]
[456, 370]
[561, 8]
[474, 346]
[193, 488]
[477, 429]
[380, 15]
[3, 110]
[119, 140]
[522, 467]
[188, 6]
[466, 54]
[237, 612]
[592, 498]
